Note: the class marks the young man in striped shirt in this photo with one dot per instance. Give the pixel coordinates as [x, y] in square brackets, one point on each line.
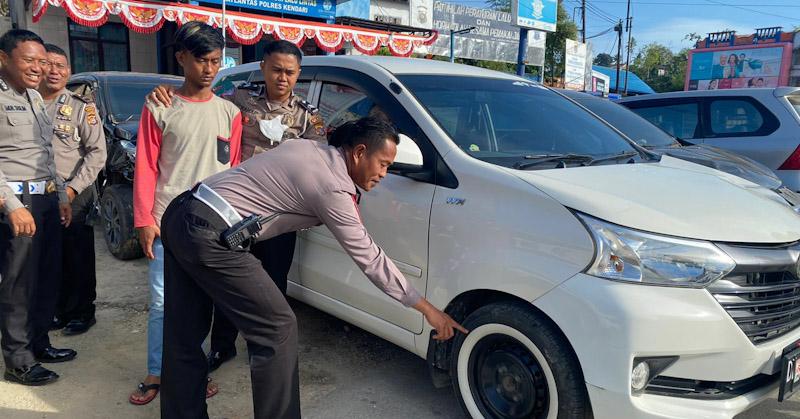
[177, 146]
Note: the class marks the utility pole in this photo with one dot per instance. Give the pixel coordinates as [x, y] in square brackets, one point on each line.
[618, 29]
[629, 23]
[583, 21]
[453, 41]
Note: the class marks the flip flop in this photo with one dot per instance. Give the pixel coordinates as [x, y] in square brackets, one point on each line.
[142, 389]
[211, 391]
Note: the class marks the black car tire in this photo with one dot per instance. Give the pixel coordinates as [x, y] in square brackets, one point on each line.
[516, 364]
[116, 210]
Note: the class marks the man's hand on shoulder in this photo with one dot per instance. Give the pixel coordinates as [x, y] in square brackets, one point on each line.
[162, 95]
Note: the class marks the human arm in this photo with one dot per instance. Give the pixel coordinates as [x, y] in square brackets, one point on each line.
[93, 141]
[162, 95]
[236, 140]
[145, 176]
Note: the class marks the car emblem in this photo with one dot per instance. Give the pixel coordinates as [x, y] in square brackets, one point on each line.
[455, 201]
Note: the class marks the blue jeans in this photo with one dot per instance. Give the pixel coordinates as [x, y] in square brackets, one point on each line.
[155, 319]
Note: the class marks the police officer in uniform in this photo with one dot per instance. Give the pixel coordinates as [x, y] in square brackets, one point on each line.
[80, 153]
[271, 114]
[34, 201]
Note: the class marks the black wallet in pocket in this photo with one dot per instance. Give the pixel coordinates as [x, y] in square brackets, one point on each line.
[223, 150]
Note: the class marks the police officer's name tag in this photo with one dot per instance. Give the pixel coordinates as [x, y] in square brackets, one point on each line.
[16, 108]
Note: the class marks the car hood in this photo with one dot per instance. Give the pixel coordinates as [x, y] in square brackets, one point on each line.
[673, 197]
[131, 127]
[725, 161]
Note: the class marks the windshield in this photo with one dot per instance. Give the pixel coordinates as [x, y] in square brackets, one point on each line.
[634, 126]
[125, 99]
[505, 121]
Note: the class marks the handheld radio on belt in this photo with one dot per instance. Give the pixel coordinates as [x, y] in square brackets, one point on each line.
[242, 232]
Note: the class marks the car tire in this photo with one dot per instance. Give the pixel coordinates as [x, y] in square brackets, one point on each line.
[116, 210]
[514, 363]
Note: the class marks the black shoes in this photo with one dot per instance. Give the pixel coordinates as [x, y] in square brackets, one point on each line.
[31, 376]
[58, 323]
[217, 358]
[76, 326]
[53, 355]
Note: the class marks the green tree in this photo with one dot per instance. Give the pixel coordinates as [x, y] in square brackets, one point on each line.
[661, 68]
[604, 60]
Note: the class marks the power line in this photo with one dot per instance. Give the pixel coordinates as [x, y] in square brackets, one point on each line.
[752, 10]
[601, 12]
[698, 4]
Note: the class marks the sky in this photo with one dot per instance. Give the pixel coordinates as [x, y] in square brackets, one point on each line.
[668, 21]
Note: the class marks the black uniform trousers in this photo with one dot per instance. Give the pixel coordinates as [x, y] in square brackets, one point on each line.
[200, 273]
[79, 278]
[29, 273]
[276, 256]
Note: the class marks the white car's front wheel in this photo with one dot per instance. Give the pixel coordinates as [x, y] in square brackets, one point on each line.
[513, 364]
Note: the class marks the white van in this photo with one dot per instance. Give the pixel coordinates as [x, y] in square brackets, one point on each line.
[596, 278]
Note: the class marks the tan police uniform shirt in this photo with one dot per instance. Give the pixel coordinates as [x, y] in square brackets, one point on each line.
[296, 117]
[306, 183]
[26, 153]
[78, 140]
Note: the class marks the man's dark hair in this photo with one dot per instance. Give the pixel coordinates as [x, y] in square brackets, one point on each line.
[283, 47]
[198, 38]
[14, 37]
[370, 131]
[55, 49]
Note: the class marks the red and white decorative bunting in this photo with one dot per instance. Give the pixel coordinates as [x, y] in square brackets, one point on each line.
[246, 29]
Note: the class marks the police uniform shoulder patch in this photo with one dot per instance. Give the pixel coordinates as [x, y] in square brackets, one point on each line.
[3, 85]
[318, 124]
[90, 113]
[84, 99]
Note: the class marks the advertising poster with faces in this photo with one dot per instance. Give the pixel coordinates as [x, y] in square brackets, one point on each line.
[735, 69]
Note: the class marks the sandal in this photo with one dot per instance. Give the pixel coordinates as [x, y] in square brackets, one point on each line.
[142, 389]
[211, 389]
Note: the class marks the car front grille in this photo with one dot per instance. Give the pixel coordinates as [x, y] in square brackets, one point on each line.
[762, 294]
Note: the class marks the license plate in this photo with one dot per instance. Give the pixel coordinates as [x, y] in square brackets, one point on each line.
[790, 374]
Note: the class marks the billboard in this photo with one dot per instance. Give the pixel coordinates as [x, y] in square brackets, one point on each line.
[421, 13]
[535, 14]
[575, 65]
[739, 67]
[493, 39]
[325, 9]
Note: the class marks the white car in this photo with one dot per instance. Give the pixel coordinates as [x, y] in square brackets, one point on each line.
[595, 278]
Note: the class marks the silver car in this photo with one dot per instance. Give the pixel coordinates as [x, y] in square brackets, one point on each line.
[763, 124]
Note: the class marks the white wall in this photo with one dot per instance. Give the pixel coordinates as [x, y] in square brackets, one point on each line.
[389, 8]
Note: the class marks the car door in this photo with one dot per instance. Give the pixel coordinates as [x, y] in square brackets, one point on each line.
[743, 125]
[396, 213]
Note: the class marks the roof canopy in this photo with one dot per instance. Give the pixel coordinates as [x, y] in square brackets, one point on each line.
[635, 84]
[245, 28]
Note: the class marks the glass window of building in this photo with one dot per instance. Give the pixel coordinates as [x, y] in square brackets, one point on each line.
[99, 49]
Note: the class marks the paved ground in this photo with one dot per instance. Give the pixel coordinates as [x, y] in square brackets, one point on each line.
[345, 372]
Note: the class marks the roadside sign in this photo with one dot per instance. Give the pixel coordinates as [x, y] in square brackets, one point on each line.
[535, 14]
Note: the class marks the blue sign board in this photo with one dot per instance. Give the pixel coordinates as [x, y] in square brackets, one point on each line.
[325, 9]
[353, 8]
[535, 14]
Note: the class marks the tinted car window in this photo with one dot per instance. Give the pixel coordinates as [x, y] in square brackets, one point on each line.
[496, 120]
[127, 98]
[733, 116]
[227, 84]
[339, 104]
[678, 120]
[635, 127]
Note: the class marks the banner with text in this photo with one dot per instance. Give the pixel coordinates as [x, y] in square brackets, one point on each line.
[325, 9]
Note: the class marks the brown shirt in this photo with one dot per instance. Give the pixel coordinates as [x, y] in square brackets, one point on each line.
[307, 184]
[297, 119]
[78, 140]
[26, 153]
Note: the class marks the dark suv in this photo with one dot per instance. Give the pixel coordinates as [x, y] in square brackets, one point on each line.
[120, 97]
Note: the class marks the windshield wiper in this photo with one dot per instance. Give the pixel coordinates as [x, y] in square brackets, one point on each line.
[544, 158]
[619, 156]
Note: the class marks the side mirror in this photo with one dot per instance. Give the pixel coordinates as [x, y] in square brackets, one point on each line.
[409, 156]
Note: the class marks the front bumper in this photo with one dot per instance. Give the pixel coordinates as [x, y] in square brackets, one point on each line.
[610, 323]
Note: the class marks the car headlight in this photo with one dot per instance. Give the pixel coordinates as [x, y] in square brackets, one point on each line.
[129, 147]
[624, 254]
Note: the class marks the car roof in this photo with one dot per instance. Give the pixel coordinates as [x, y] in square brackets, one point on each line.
[394, 65]
[126, 76]
[755, 92]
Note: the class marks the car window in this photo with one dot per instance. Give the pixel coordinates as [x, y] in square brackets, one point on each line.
[339, 103]
[678, 120]
[635, 127]
[734, 116]
[507, 121]
[794, 100]
[126, 98]
[227, 84]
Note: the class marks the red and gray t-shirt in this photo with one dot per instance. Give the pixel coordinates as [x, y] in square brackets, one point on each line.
[177, 147]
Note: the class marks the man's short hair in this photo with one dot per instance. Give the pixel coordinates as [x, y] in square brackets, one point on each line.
[198, 38]
[371, 131]
[55, 49]
[12, 38]
[283, 47]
